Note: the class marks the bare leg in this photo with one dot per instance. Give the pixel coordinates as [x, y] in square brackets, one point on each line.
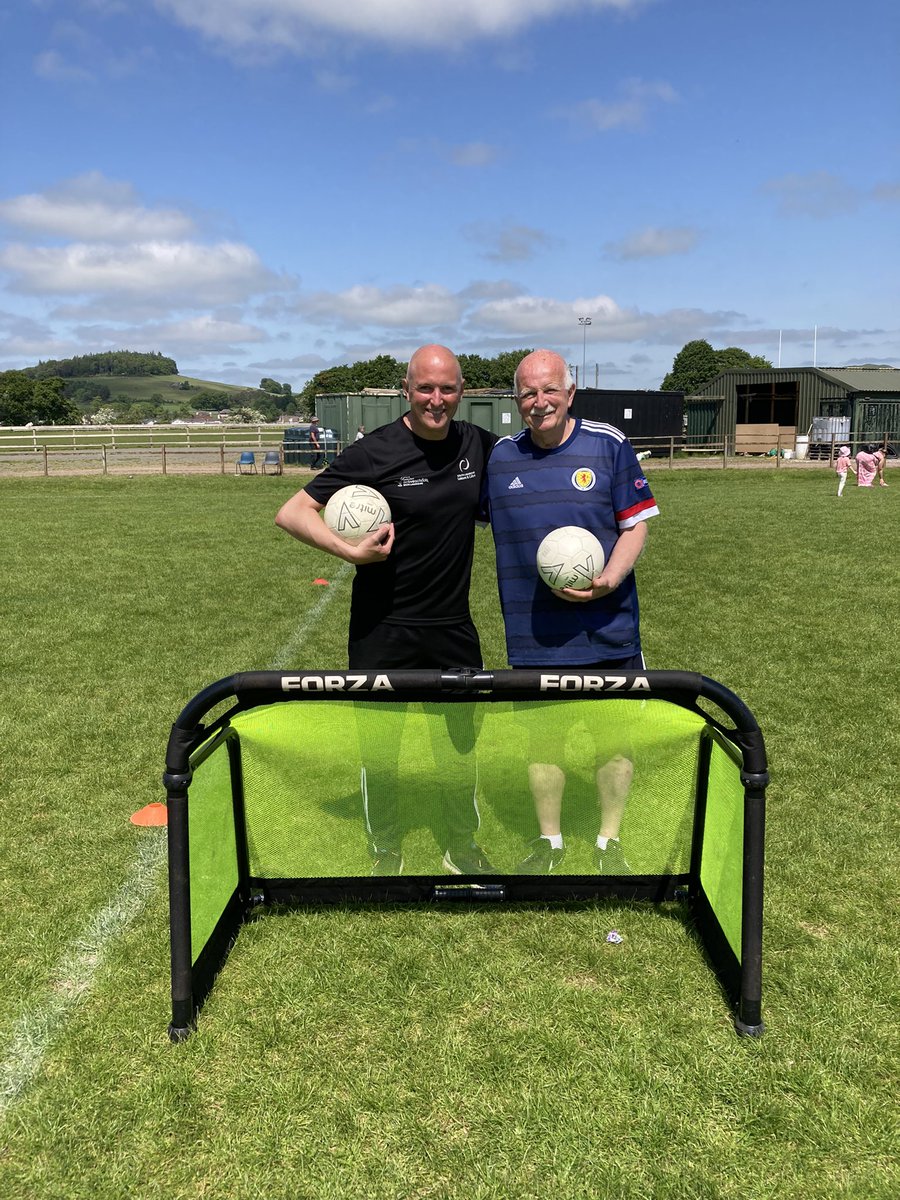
[547, 783]
[613, 785]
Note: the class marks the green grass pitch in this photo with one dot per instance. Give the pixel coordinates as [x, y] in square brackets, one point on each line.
[472, 1053]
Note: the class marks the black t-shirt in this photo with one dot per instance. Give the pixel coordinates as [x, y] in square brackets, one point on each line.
[433, 489]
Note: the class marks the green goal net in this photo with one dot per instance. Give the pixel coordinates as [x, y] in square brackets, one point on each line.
[430, 786]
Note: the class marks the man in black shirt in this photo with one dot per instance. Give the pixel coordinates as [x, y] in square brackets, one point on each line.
[317, 458]
[410, 602]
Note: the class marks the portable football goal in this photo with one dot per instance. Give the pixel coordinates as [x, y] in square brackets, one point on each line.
[279, 786]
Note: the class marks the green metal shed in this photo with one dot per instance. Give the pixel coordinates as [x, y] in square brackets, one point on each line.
[344, 413]
[793, 397]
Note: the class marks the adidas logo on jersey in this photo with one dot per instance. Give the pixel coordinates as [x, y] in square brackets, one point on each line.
[516, 483]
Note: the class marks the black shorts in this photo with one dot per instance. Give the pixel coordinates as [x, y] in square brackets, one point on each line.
[408, 647]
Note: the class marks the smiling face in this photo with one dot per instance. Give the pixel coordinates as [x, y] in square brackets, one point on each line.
[544, 393]
[433, 387]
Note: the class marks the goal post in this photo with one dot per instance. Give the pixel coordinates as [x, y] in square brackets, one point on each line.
[280, 786]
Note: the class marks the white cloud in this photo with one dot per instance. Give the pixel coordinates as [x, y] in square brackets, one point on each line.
[300, 362]
[197, 336]
[550, 321]
[397, 307]
[654, 242]
[507, 242]
[185, 274]
[473, 154]
[91, 207]
[288, 24]
[628, 112]
[50, 64]
[819, 194]
[26, 340]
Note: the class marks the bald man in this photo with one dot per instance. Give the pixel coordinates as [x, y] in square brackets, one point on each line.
[562, 470]
[410, 602]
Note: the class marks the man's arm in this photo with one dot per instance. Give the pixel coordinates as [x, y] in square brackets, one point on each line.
[625, 553]
[301, 518]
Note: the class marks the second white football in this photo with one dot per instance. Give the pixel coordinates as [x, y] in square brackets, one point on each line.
[355, 511]
[570, 557]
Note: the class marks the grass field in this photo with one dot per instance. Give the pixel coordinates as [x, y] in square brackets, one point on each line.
[137, 388]
[405, 1053]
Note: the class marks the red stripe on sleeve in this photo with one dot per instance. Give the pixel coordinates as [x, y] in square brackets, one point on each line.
[635, 509]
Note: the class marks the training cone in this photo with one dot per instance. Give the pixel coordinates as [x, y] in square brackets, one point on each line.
[321, 582]
[155, 813]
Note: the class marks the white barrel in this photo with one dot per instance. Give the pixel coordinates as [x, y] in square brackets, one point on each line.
[801, 449]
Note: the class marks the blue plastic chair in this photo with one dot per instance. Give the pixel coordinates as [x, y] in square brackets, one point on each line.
[246, 463]
[272, 459]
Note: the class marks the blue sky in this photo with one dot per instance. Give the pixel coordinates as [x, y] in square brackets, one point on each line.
[270, 187]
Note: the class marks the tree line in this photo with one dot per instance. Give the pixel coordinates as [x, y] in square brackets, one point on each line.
[110, 362]
[384, 371]
[52, 397]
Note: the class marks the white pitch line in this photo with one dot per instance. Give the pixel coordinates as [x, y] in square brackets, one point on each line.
[283, 658]
[75, 973]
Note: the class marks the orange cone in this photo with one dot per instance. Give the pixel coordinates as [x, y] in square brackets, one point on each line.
[321, 582]
[155, 813]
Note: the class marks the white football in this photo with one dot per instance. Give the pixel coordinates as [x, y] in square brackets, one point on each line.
[355, 511]
[570, 557]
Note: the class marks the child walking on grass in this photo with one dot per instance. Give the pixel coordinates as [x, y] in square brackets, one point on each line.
[843, 464]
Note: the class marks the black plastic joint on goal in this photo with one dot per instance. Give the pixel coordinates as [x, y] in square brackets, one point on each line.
[177, 782]
[180, 1033]
[755, 779]
[744, 1030]
[465, 679]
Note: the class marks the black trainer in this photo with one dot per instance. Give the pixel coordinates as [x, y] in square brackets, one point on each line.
[467, 860]
[612, 860]
[543, 859]
[387, 862]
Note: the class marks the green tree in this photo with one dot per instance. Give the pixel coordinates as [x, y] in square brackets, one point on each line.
[733, 358]
[110, 362]
[503, 367]
[696, 363]
[476, 370]
[25, 400]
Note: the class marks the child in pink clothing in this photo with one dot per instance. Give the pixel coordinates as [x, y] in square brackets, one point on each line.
[881, 455]
[866, 466]
[842, 464]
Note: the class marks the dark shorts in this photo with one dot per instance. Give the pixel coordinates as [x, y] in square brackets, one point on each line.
[545, 741]
[408, 647]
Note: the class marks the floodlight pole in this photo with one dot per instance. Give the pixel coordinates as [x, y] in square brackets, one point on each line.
[583, 322]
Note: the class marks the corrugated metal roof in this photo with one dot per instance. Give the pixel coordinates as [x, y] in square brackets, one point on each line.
[865, 379]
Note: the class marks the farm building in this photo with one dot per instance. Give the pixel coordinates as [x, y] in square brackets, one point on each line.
[754, 409]
[637, 414]
[491, 408]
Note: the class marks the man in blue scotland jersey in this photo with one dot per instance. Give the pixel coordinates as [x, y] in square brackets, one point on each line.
[562, 470]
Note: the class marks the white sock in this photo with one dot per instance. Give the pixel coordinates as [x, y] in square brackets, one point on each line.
[602, 842]
[555, 840]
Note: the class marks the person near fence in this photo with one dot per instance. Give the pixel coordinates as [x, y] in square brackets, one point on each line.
[842, 464]
[866, 466]
[562, 470]
[409, 605]
[317, 458]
